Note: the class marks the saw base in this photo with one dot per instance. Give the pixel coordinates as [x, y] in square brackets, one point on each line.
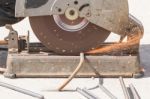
[27, 59]
[48, 65]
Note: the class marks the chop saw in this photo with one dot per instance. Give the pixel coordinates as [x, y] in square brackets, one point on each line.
[69, 27]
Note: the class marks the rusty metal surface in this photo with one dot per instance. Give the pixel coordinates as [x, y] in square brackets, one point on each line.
[64, 42]
[21, 90]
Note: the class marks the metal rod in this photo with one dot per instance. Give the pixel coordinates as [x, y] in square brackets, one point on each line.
[134, 92]
[89, 93]
[74, 72]
[125, 91]
[84, 94]
[106, 91]
[21, 90]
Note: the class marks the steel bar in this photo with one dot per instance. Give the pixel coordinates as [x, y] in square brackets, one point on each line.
[84, 94]
[106, 91]
[125, 91]
[74, 73]
[89, 93]
[21, 90]
[134, 92]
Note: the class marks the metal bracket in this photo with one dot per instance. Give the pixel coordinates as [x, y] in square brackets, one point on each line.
[12, 40]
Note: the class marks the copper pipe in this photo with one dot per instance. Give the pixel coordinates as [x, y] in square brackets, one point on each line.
[74, 72]
[3, 42]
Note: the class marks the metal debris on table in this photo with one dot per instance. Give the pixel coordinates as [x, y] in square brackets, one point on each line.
[133, 95]
[104, 89]
[126, 91]
[134, 92]
[90, 93]
[86, 94]
[21, 90]
[124, 88]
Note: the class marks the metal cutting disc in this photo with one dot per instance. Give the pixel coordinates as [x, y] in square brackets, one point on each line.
[67, 37]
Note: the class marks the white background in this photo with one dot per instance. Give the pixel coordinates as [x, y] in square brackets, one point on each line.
[139, 8]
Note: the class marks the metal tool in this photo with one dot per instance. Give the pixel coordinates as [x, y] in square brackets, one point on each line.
[107, 92]
[125, 91]
[104, 89]
[86, 94]
[21, 90]
[134, 92]
[91, 94]
[74, 26]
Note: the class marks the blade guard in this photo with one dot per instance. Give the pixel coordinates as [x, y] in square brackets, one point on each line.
[112, 15]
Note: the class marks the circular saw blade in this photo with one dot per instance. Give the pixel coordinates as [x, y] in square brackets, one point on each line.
[65, 42]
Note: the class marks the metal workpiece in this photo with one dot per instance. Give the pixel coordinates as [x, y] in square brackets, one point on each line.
[104, 89]
[107, 92]
[90, 93]
[100, 81]
[83, 93]
[87, 95]
[21, 90]
[134, 92]
[124, 88]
